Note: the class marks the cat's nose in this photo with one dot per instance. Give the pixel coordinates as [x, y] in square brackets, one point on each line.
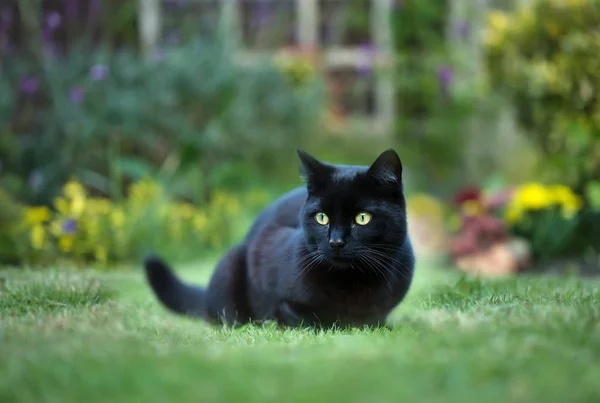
[336, 243]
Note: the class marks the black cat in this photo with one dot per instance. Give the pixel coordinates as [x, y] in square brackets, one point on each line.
[333, 253]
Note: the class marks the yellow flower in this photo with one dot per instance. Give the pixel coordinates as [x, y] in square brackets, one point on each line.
[563, 196]
[533, 196]
[472, 208]
[65, 243]
[513, 214]
[74, 200]
[61, 205]
[37, 215]
[38, 237]
[78, 205]
[117, 217]
[144, 190]
[99, 206]
[497, 20]
[56, 227]
[73, 190]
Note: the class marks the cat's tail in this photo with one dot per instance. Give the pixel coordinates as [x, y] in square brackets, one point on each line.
[172, 293]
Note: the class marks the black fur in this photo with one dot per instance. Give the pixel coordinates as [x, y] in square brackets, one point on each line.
[286, 270]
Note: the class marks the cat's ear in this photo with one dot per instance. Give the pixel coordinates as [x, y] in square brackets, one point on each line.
[387, 168]
[310, 167]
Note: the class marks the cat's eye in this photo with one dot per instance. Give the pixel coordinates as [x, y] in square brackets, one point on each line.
[363, 218]
[322, 218]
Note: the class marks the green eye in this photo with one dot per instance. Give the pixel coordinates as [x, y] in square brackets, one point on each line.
[322, 218]
[363, 218]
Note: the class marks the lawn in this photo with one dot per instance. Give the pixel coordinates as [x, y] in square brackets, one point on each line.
[101, 337]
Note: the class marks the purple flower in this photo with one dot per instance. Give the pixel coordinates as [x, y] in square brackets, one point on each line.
[69, 226]
[29, 85]
[445, 76]
[260, 14]
[77, 95]
[53, 20]
[99, 72]
[365, 68]
[462, 29]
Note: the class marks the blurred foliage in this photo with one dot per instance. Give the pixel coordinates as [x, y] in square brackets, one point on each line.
[80, 229]
[11, 215]
[190, 115]
[544, 57]
[433, 107]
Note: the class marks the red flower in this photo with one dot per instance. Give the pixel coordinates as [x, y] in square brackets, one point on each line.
[467, 194]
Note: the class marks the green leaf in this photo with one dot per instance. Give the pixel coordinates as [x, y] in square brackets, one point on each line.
[135, 168]
[593, 195]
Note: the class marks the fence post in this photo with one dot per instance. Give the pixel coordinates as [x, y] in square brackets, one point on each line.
[230, 24]
[307, 24]
[150, 25]
[381, 31]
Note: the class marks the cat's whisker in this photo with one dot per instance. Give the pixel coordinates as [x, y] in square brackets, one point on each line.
[388, 262]
[309, 261]
[366, 261]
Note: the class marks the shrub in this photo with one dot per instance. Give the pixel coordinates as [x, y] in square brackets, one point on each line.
[11, 216]
[549, 218]
[192, 116]
[544, 57]
[435, 103]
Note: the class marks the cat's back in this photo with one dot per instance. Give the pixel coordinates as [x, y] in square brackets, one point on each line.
[282, 212]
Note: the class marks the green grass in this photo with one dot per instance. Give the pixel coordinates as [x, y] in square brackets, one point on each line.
[101, 337]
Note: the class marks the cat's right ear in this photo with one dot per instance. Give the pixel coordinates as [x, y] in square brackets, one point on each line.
[310, 167]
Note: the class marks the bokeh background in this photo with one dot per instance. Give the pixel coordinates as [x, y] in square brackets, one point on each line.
[166, 125]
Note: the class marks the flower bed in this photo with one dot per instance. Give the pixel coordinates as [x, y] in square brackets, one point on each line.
[81, 229]
[525, 228]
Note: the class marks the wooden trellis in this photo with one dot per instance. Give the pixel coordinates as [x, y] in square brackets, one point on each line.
[378, 58]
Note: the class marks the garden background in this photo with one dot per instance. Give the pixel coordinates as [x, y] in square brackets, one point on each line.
[166, 125]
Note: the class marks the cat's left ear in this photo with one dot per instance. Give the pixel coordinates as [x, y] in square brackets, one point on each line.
[387, 167]
[310, 167]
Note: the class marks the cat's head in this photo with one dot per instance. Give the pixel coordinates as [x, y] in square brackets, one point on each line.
[353, 212]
